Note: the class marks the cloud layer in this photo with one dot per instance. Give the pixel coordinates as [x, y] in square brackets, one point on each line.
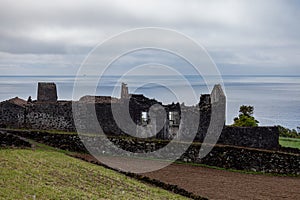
[42, 37]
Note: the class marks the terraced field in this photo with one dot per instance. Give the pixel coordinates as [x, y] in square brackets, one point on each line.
[216, 183]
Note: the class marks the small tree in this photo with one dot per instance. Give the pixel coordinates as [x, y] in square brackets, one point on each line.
[247, 110]
[285, 132]
[245, 118]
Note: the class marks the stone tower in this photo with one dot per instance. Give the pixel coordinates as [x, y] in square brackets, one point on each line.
[207, 102]
[124, 91]
[46, 92]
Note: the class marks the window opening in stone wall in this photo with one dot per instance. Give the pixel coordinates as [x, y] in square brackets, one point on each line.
[145, 118]
[173, 118]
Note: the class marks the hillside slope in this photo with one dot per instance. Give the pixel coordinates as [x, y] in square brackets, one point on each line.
[46, 174]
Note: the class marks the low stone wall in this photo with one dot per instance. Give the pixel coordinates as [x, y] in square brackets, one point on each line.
[8, 140]
[220, 156]
[254, 137]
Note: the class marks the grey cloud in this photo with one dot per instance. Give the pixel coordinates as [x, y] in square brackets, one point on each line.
[256, 33]
[216, 22]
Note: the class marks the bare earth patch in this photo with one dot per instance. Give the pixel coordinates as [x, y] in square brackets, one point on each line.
[219, 184]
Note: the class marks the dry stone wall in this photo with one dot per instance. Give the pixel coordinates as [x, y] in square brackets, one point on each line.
[255, 137]
[11, 115]
[49, 116]
[221, 156]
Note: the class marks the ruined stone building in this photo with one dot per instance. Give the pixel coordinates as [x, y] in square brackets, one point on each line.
[49, 113]
[47, 92]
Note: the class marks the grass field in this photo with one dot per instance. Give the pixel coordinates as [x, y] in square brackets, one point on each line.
[47, 174]
[289, 142]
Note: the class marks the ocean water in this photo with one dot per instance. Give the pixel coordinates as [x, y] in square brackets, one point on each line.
[276, 99]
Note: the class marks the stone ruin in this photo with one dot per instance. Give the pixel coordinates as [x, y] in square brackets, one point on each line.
[49, 113]
[47, 92]
[124, 91]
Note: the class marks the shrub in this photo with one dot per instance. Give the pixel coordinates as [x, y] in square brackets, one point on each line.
[285, 132]
[245, 118]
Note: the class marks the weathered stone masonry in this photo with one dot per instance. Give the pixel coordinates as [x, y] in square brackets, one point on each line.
[49, 114]
[47, 92]
[221, 156]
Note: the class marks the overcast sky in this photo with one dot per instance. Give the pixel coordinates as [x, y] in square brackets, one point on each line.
[243, 37]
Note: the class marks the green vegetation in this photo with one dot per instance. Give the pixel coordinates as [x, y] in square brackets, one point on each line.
[42, 131]
[245, 118]
[285, 132]
[47, 174]
[289, 142]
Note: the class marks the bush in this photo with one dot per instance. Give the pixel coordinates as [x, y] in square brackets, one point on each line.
[285, 132]
[245, 118]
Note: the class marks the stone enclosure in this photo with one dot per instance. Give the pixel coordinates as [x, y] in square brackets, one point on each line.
[147, 116]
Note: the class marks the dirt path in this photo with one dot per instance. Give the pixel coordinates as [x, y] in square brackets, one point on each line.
[221, 184]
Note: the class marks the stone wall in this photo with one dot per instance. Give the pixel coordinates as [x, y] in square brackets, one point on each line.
[49, 116]
[229, 157]
[9, 140]
[205, 115]
[58, 116]
[256, 137]
[11, 115]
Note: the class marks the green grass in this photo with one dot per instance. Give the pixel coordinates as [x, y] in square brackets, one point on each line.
[48, 174]
[289, 142]
[41, 131]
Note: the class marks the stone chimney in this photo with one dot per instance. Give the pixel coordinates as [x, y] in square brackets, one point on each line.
[124, 91]
[46, 92]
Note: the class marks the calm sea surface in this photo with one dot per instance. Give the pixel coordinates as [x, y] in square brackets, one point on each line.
[276, 98]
